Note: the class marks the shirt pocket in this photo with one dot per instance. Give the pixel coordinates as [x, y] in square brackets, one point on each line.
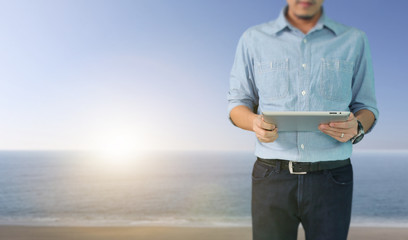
[335, 79]
[272, 79]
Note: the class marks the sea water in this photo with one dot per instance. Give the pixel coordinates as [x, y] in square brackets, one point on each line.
[171, 188]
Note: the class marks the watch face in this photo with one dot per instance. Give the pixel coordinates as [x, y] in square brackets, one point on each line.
[360, 133]
[358, 139]
[360, 128]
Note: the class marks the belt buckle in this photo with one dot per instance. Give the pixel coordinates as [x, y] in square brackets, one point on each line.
[291, 169]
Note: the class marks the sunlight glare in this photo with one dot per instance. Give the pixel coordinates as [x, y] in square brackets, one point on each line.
[118, 149]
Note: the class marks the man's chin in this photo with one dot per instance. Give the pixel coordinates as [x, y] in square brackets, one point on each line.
[305, 17]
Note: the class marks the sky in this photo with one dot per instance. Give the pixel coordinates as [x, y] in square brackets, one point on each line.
[154, 74]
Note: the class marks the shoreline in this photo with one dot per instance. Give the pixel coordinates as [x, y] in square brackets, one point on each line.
[132, 224]
[3, 225]
[169, 233]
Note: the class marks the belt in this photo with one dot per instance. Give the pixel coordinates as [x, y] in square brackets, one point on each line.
[304, 167]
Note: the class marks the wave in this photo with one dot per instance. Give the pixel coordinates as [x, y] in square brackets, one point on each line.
[177, 222]
[104, 222]
[379, 222]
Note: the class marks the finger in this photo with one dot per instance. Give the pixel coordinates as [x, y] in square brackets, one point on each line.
[334, 131]
[266, 133]
[267, 136]
[352, 124]
[326, 127]
[257, 124]
[267, 140]
[323, 126]
[341, 125]
[340, 136]
[260, 123]
[266, 125]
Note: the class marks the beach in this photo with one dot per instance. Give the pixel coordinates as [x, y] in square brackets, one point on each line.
[169, 233]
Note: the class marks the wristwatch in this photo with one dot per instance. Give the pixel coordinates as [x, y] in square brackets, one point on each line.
[360, 133]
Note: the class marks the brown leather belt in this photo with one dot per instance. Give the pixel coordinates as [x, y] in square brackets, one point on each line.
[305, 167]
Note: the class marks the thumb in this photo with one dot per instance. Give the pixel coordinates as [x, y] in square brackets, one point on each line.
[351, 116]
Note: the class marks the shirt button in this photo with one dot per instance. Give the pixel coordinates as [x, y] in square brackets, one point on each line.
[303, 92]
[304, 65]
[304, 40]
[302, 146]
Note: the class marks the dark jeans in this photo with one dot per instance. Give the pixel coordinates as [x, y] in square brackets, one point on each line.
[320, 200]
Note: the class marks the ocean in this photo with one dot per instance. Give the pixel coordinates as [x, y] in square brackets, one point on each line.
[65, 188]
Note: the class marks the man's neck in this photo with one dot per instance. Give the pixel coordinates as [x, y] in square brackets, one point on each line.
[304, 25]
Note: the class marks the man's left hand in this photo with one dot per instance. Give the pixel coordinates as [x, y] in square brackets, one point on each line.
[341, 131]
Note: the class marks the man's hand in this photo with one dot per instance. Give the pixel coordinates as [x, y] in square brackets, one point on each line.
[264, 131]
[341, 131]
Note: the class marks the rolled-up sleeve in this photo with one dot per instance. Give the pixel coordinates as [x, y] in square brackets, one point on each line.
[363, 87]
[242, 89]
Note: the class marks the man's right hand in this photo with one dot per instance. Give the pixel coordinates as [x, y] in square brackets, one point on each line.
[265, 132]
[245, 118]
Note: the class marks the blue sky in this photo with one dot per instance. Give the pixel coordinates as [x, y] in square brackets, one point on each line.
[154, 74]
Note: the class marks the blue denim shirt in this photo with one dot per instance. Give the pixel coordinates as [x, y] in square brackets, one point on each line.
[278, 68]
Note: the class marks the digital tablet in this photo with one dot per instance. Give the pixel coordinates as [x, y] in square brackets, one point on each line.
[303, 121]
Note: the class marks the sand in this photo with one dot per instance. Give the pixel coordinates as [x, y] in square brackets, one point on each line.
[171, 233]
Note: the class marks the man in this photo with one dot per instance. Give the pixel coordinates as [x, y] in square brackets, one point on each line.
[302, 61]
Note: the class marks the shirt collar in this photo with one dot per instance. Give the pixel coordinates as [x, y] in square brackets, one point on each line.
[282, 23]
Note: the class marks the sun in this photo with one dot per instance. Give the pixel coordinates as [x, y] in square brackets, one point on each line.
[117, 147]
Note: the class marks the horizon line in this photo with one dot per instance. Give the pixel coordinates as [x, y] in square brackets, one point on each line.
[397, 150]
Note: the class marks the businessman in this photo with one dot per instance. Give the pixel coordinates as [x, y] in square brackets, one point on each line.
[302, 61]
